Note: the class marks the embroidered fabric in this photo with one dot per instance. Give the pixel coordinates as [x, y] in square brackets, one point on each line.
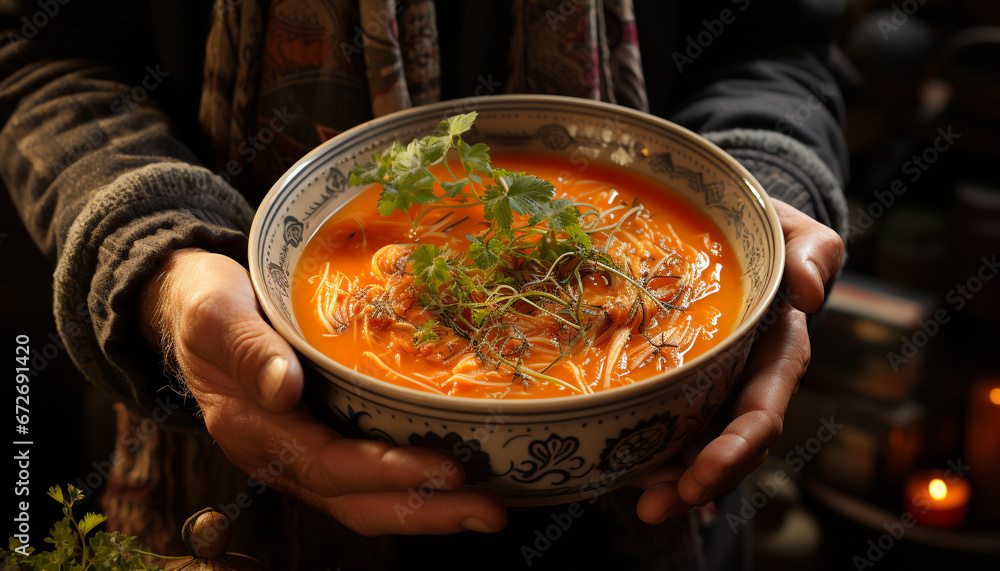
[282, 77]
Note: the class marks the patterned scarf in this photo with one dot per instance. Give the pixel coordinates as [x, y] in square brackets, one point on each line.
[282, 76]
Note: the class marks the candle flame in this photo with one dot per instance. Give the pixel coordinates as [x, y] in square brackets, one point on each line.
[938, 489]
[995, 396]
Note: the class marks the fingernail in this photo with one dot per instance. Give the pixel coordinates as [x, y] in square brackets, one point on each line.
[476, 524]
[270, 378]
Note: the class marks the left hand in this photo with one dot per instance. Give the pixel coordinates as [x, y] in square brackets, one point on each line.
[253, 411]
[716, 461]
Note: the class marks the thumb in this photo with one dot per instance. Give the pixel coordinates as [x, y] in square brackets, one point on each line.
[813, 254]
[261, 362]
[220, 325]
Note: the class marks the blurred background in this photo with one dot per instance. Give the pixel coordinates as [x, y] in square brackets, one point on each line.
[904, 386]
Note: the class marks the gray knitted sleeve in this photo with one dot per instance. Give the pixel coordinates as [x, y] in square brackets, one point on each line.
[788, 171]
[106, 190]
[112, 249]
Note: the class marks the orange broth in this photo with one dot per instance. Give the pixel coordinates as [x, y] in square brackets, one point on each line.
[348, 240]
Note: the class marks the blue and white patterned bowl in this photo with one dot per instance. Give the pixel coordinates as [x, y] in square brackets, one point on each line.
[534, 451]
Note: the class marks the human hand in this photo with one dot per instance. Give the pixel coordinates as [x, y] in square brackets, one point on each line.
[716, 461]
[248, 383]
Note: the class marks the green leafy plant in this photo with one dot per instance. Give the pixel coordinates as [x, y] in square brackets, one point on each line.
[530, 262]
[72, 550]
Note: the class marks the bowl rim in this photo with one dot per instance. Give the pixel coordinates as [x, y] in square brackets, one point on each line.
[638, 391]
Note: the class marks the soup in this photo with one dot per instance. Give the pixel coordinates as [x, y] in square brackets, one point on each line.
[653, 285]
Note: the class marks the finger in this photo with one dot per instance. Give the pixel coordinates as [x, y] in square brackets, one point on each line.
[419, 513]
[813, 254]
[661, 502]
[219, 322]
[776, 364]
[299, 452]
[772, 374]
[370, 486]
[727, 459]
[720, 420]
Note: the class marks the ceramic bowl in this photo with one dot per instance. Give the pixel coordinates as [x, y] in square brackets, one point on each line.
[544, 451]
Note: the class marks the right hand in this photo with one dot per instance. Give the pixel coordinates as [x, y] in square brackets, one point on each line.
[732, 448]
[248, 383]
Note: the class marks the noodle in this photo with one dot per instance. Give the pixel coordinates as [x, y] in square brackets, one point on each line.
[646, 307]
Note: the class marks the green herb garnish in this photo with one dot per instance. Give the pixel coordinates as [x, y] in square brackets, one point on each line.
[529, 264]
[73, 551]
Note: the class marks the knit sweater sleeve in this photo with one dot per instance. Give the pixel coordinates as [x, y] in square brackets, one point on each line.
[752, 77]
[102, 181]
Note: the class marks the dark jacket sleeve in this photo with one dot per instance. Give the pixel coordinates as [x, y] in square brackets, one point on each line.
[751, 75]
[100, 178]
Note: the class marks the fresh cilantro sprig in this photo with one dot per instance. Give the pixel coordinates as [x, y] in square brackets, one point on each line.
[72, 550]
[405, 175]
[409, 185]
[528, 264]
